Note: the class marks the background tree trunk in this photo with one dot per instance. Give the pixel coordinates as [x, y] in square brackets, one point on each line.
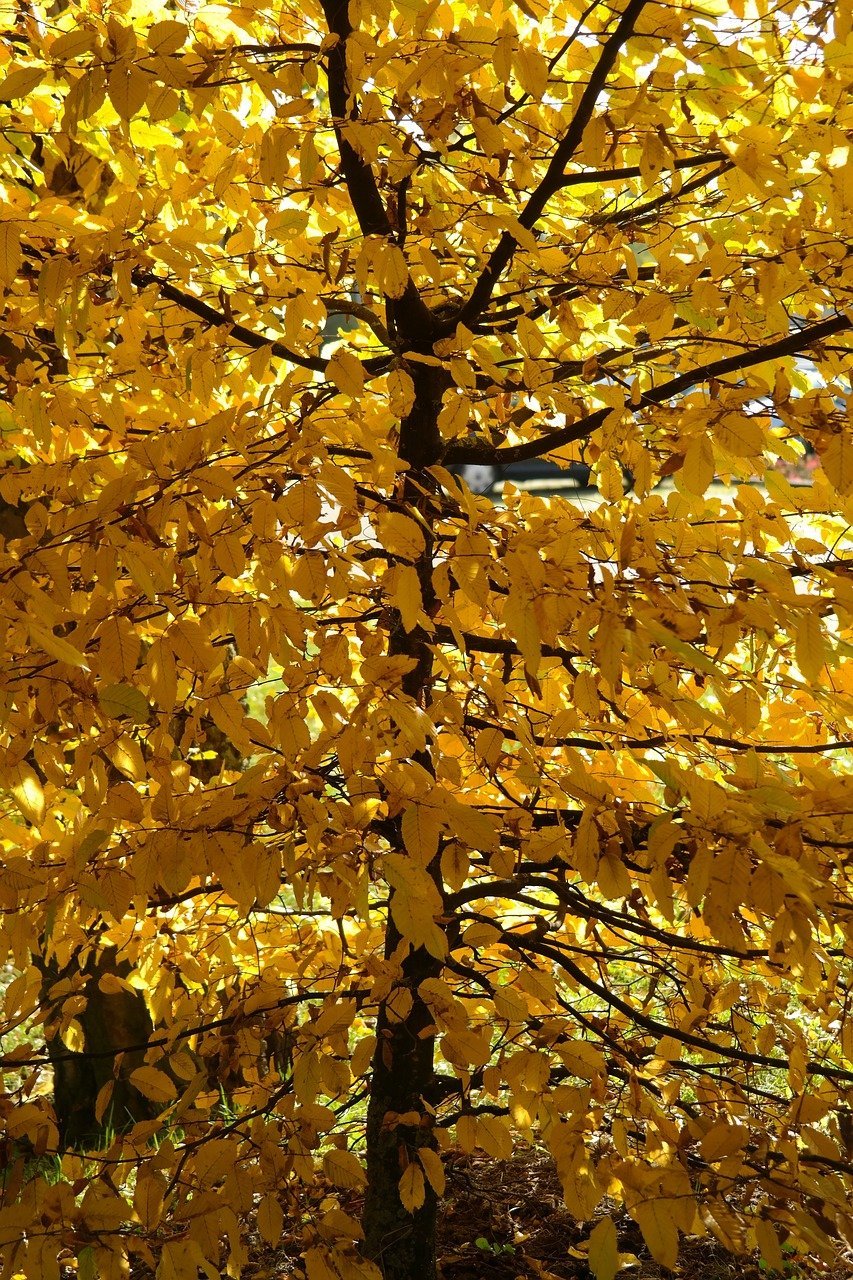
[113, 1024]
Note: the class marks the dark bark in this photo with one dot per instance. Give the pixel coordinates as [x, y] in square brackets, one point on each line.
[403, 1072]
[401, 1243]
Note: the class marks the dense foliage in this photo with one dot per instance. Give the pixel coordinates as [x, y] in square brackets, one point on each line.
[350, 815]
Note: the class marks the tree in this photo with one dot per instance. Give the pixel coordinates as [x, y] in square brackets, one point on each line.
[518, 821]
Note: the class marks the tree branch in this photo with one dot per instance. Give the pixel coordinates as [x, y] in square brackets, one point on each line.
[597, 177]
[532, 942]
[554, 174]
[410, 311]
[219, 319]
[661, 740]
[363, 192]
[792, 344]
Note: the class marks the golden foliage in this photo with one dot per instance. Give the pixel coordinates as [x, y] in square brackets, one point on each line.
[342, 757]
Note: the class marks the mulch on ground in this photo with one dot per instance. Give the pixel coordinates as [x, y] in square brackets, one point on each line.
[506, 1220]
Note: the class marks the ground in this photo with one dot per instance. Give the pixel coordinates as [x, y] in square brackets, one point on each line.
[505, 1220]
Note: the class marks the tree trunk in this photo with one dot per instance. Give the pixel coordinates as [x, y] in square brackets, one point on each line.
[403, 1072]
[401, 1243]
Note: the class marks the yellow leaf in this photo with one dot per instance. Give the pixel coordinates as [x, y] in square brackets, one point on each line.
[399, 535]
[454, 416]
[228, 715]
[421, 830]
[112, 985]
[739, 435]
[412, 1188]
[343, 1169]
[317, 1266]
[475, 829]
[103, 1099]
[270, 1219]
[655, 1220]
[274, 158]
[520, 618]
[71, 44]
[768, 1243]
[10, 251]
[392, 271]
[162, 675]
[494, 1137]
[697, 470]
[309, 160]
[654, 158]
[404, 592]
[167, 36]
[722, 1139]
[154, 1084]
[20, 82]
[489, 136]
[509, 1005]
[123, 701]
[466, 1133]
[582, 1059]
[603, 1253]
[594, 143]
[455, 865]
[229, 555]
[609, 480]
[415, 903]
[401, 393]
[347, 373]
[585, 694]
[182, 1260]
[837, 461]
[27, 792]
[810, 647]
[56, 647]
[126, 755]
[148, 1197]
[433, 1168]
[128, 87]
[532, 70]
[488, 745]
[300, 507]
[119, 647]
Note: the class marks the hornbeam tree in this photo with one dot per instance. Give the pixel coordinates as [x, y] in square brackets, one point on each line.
[349, 815]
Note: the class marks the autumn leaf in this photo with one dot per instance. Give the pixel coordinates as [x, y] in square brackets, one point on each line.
[412, 1188]
[603, 1254]
[154, 1084]
[659, 1231]
[343, 1168]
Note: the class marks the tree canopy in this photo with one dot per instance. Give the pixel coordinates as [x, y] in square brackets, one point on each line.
[387, 817]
